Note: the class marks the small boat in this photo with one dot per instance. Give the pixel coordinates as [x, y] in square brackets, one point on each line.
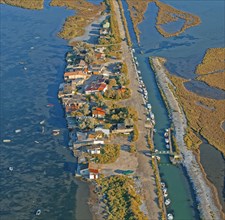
[37, 142]
[133, 50]
[169, 216]
[165, 194]
[166, 134]
[6, 140]
[154, 130]
[17, 130]
[42, 129]
[158, 158]
[167, 146]
[152, 116]
[55, 132]
[38, 212]
[32, 48]
[50, 105]
[167, 202]
[11, 168]
[42, 122]
[149, 106]
[25, 68]
[164, 190]
[167, 140]
[163, 185]
[148, 154]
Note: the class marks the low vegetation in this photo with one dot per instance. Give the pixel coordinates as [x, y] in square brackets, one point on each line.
[109, 154]
[204, 116]
[120, 198]
[212, 69]
[74, 25]
[29, 4]
[159, 189]
[213, 61]
[167, 14]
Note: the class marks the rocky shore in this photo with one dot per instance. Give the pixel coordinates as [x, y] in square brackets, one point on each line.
[204, 194]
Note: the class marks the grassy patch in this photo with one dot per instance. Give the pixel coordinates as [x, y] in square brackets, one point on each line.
[120, 198]
[29, 4]
[74, 25]
[109, 154]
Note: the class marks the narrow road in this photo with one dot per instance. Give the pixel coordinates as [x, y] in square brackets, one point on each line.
[144, 170]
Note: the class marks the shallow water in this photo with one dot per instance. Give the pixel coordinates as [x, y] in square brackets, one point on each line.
[214, 165]
[32, 65]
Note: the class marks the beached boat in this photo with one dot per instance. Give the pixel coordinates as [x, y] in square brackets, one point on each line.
[38, 212]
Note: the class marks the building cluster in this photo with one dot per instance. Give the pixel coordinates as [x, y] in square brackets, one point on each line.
[88, 76]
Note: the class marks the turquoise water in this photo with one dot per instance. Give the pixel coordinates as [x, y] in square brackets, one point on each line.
[32, 65]
[183, 53]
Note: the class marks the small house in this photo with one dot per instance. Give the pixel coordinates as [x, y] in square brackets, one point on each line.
[93, 174]
[98, 113]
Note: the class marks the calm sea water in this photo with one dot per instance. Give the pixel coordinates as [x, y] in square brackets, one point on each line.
[183, 53]
[32, 64]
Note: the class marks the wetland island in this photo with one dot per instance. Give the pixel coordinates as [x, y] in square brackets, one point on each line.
[135, 125]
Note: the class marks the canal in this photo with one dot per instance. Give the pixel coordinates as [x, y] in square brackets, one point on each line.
[183, 204]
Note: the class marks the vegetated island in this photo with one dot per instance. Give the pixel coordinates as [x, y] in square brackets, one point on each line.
[85, 13]
[166, 14]
[212, 68]
[28, 4]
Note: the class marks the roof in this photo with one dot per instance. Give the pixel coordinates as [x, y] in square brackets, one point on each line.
[77, 72]
[96, 87]
[96, 171]
[98, 111]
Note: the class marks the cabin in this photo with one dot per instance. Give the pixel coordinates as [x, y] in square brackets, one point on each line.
[96, 69]
[93, 174]
[96, 87]
[98, 113]
[75, 75]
